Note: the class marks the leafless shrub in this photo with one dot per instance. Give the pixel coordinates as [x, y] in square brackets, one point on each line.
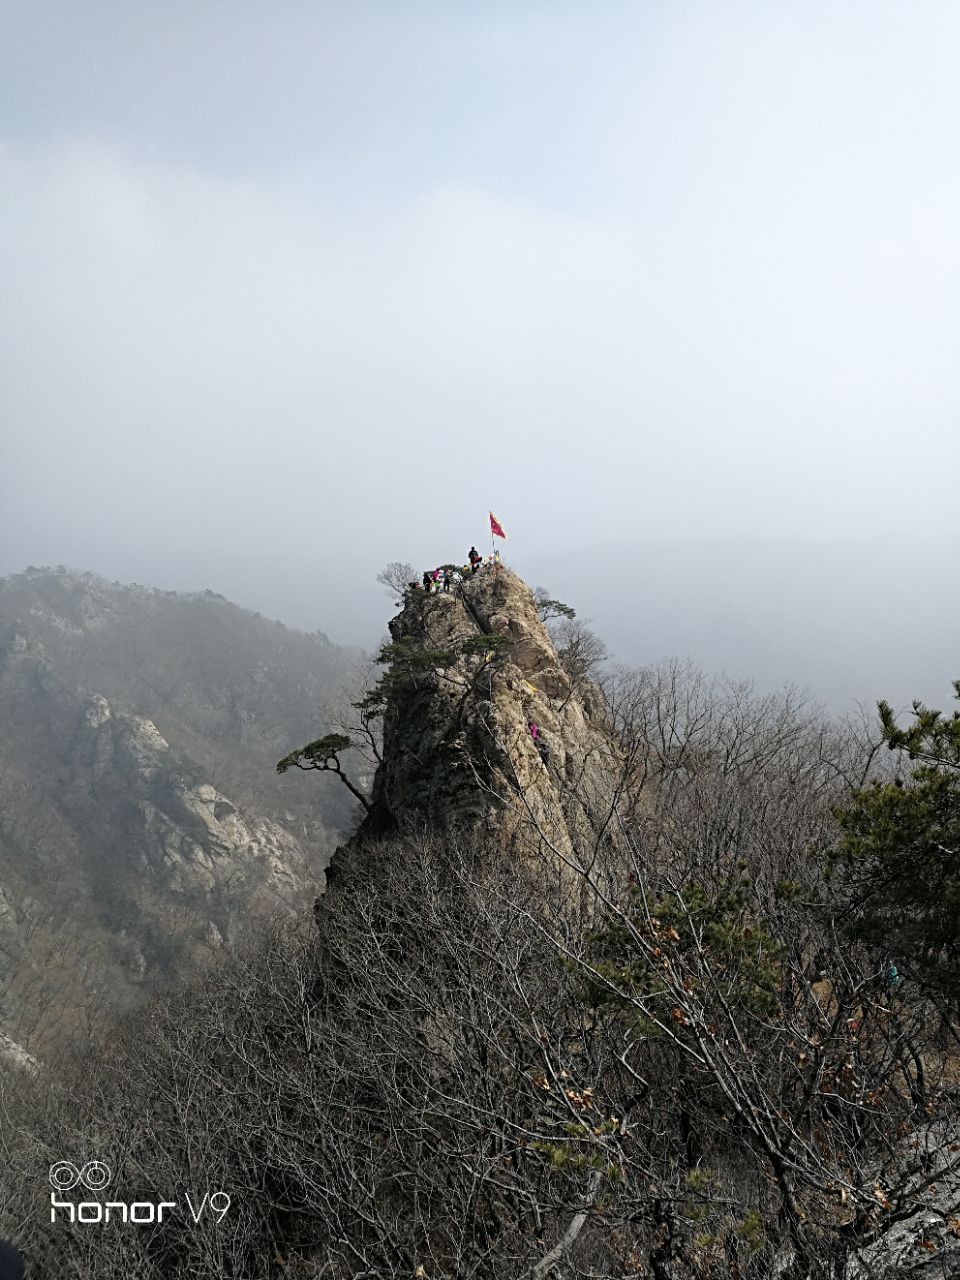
[397, 576]
[464, 1069]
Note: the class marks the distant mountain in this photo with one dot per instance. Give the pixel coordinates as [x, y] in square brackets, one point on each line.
[141, 817]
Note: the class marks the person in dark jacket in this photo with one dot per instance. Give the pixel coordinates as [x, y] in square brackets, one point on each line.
[11, 1262]
[475, 559]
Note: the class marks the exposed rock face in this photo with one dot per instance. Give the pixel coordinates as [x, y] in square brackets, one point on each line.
[184, 834]
[458, 749]
[924, 1244]
[13, 1057]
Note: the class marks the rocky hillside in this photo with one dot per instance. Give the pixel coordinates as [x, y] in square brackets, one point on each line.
[141, 818]
[470, 675]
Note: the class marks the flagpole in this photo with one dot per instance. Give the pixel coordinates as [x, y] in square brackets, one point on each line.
[496, 530]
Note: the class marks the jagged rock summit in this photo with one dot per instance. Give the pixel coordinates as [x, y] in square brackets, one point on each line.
[469, 671]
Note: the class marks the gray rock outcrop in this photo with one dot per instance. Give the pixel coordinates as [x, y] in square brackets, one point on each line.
[471, 670]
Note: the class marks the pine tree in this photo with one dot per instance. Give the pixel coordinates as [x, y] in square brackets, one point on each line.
[901, 849]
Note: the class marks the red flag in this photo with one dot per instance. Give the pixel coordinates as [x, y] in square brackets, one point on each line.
[496, 527]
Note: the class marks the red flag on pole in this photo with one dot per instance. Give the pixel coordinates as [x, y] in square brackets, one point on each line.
[496, 527]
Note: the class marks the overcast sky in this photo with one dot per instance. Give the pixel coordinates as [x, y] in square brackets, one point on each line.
[296, 288]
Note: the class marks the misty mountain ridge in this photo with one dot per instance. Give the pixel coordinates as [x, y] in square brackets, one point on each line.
[836, 616]
[141, 817]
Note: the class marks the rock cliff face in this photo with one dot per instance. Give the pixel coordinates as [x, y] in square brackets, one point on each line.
[183, 835]
[471, 670]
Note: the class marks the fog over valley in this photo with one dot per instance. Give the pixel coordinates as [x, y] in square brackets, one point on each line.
[654, 278]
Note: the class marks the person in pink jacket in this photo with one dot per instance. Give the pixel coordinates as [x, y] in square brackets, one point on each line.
[538, 742]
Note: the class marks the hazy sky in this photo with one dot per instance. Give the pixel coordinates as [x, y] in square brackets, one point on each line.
[296, 288]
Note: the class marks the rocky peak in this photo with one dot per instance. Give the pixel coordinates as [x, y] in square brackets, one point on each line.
[469, 672]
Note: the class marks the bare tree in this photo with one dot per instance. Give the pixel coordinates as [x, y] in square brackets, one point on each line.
[396, 577]
[580, 650]
[800, 1086]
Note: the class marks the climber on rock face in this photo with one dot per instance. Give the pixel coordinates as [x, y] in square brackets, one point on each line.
[538, 742]
[447, 579]
[427, 580]
[475, 559]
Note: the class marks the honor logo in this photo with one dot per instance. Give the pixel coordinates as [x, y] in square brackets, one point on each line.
[95, 1176]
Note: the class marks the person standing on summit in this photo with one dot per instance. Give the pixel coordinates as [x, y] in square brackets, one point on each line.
[475, 559]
